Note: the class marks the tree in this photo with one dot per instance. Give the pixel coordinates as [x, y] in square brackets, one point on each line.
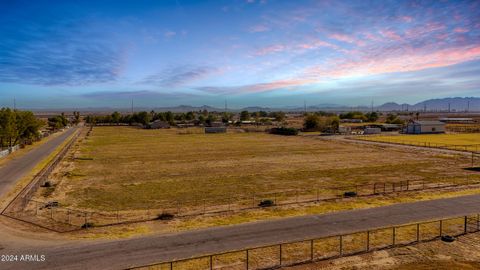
[244, 116]
[279, 116]
[372, 116]
[311, 122]
[17, 127]
[116, 117]
[190, 116]
[393, 119]
[226, 117]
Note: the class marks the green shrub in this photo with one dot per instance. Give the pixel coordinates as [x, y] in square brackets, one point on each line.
[284, 131]
[266, 203]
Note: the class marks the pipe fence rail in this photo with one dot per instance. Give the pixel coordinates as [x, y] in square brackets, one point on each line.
[317, 249]
[24, 197]
[473, 148]
[61, 218]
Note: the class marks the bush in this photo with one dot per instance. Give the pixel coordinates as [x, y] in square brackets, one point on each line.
[46, 184]
[87, 225]
[448, 238]
[350, 194]
[165, 216]
[284, 131]
[266, 203]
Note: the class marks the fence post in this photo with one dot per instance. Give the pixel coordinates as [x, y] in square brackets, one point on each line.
[383, 187]
[478, 222]
[408, 185]
[246, 259]
[393, 235]
[211, 262]
[311, 250]
[280, 254]
[171, 265]
[418, 232]
[341, 245]
[86, 220]
[465, 225]
[368, 241]
[441, 225]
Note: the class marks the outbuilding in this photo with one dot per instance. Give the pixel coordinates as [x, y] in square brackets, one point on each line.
[425, 127]
[215, 130]
[157, 124]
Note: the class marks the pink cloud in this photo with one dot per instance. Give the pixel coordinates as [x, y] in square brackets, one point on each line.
[402, 61]
[406, 19]
[271, 49]
[316, 44]
[460, 30]
[390, 34]
[347, 39]
[259, 28]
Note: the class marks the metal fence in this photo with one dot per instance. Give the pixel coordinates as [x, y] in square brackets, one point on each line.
[60, 218]
[22, 199]
[330, 247]
[474, 148]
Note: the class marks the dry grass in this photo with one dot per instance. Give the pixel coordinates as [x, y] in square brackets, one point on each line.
[467, 142]
[133, 169]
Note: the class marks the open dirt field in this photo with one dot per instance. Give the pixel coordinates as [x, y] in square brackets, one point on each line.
[467, 142]
[132, 169]
[461, 254]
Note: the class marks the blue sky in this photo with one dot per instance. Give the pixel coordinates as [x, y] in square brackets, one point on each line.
[250, 52]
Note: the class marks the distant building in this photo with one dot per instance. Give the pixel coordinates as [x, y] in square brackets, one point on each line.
[345, 130]
[372, 130]
[158, 124]
[215, 129]
[351, 120]
[457, 120]
[425, 127]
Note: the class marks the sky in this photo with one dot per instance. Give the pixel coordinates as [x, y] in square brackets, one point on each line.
[79, 54]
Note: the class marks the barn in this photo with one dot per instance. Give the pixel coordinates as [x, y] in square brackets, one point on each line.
[425, 127]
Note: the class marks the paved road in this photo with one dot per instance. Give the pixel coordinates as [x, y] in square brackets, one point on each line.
[120, 254]
[15, 169]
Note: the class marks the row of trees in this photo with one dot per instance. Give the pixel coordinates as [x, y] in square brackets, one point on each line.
[321, 122]
[201, 117]
[370, 116]
[18, 127]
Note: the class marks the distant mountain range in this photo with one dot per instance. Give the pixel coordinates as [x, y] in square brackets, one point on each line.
[456, 104]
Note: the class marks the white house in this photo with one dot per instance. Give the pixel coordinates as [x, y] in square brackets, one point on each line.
[425, 127]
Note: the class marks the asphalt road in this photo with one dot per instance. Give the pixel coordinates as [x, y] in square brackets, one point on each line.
[15, 169]
[120, 254]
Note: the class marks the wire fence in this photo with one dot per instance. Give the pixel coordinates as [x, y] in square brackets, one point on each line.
[317, 249]
[474, 148]
[24, 197]
[60, 218]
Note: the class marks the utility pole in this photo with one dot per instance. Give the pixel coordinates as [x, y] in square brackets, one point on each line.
[132, 105]
[468, 105]
[424, 107]
[449, 107]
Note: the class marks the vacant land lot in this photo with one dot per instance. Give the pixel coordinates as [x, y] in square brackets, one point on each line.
[468, 142]
[123, 168]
